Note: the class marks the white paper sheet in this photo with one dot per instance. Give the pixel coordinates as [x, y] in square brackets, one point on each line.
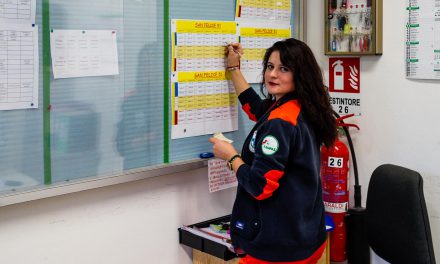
[197, 232]
[80, 53]
[423, 39]
[202, 95]
[220, 177]
[18, 67]
[279, 11]
[202, 107]
[17, 12]
[255, 38]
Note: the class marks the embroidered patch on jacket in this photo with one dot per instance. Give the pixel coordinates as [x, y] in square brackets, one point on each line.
[239, 225]
[252, 143]
[270, 145]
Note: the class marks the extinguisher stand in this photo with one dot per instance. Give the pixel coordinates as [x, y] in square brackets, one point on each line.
[358, 250]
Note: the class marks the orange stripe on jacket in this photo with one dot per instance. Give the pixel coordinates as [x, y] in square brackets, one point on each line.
[272, 184]
[288, 112]
[247, 110]
[310, 260]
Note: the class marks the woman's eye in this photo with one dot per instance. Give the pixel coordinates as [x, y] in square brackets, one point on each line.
[284, 69]
[270, 67]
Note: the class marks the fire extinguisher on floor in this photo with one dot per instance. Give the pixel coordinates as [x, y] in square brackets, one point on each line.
[335, 187]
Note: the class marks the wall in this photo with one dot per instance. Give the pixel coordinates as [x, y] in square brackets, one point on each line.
[398, 122]
[128, 223]
[137, 222]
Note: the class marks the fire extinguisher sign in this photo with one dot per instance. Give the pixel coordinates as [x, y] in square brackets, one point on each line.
[344, 85]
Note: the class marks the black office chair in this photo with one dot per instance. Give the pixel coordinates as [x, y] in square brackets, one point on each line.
[397, 220]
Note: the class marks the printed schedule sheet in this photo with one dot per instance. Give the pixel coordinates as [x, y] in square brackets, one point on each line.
[81, 53]
[267, 10]
[203, 99]
[423, 39]
[17, 12]
[18, 67]
[255, 39]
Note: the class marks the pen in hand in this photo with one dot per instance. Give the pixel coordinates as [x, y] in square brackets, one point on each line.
[236, 51]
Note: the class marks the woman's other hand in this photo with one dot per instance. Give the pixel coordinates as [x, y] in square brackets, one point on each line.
[222, 149]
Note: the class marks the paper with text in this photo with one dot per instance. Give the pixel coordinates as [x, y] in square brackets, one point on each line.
[256, 38]
[203, 99]
[423, 39]
[219, 175]
[18, 67]
[81, 53]
[268, 10]
[17, 12]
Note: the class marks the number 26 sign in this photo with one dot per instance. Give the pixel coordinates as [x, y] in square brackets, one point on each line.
[334, 162]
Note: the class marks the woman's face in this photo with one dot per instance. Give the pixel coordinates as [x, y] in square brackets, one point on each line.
[278, 78]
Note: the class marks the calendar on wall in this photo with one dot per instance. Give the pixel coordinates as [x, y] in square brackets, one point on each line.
[423, 39]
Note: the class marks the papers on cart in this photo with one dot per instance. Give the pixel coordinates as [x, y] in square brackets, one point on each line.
[211, 236]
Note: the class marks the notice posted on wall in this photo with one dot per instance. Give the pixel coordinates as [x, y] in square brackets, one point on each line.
[219, 175]
[251, 10]
[81, 53]
[18, 66]
[423, 39]
[256, 38]
[203, 100]
[17, 12]
[202, 103]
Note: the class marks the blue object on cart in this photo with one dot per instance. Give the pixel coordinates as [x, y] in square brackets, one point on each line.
[329, 223]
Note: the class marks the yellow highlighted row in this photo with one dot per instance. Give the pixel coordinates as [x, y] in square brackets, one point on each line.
[265, 32]
[206, 101]
[200, 52]
[203, 76]
[206, 26]
[272, 4]
[254, 54]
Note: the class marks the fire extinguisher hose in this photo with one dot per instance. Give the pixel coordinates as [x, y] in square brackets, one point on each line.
[357, 186]
[357, 242]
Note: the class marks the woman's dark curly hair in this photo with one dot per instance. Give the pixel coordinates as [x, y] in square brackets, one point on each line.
[309, 86]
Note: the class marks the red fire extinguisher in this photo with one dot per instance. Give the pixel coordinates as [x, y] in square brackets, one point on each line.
[334, 177]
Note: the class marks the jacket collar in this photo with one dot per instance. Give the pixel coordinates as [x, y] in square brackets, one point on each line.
[287, 97]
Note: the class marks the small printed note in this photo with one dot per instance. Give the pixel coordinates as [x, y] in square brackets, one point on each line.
[219, 175]
[17, 12]
[18, 67]
[81, 53]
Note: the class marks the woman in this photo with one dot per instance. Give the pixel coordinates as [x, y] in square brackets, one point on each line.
[278, 214]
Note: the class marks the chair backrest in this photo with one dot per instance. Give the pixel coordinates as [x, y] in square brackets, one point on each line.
[397, 220]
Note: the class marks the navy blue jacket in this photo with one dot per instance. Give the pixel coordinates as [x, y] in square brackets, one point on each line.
[278, 214]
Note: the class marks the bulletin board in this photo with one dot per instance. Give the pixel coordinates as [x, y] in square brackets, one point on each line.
[96, 126]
